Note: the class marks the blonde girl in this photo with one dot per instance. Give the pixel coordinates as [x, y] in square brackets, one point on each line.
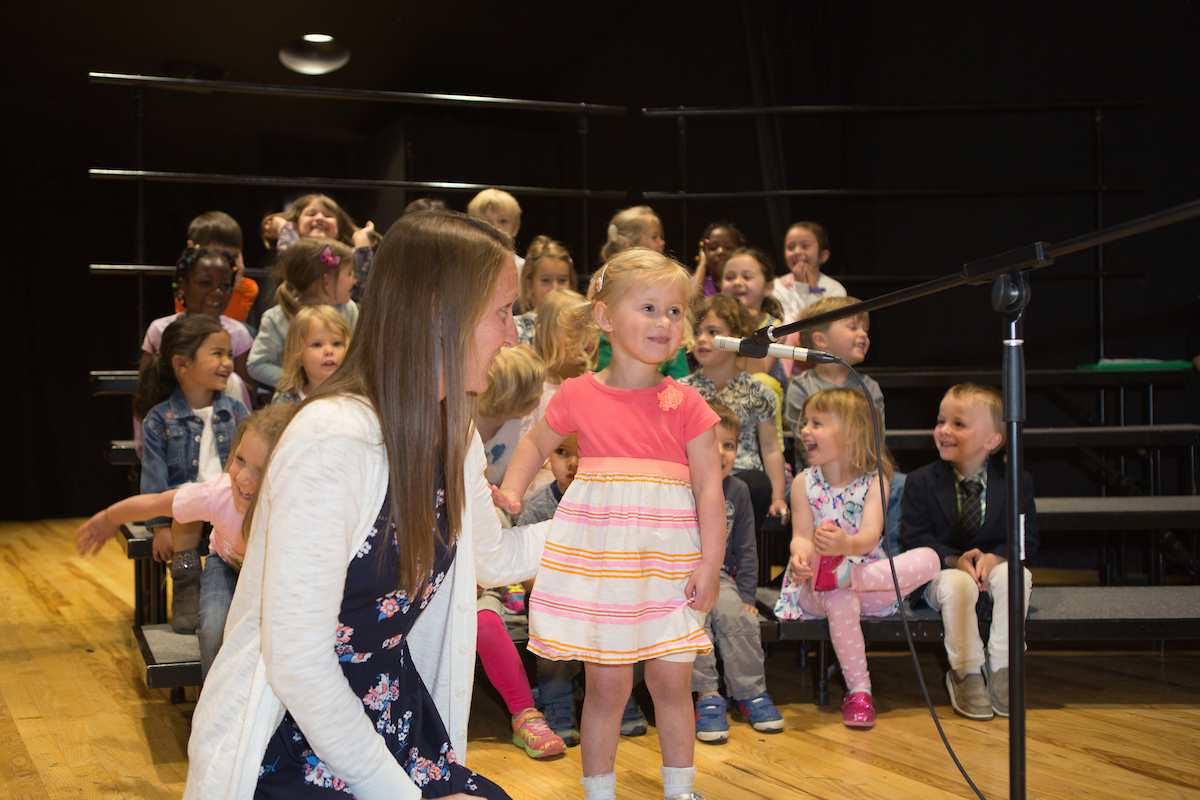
[314, 348]
[314, 271]
[565, 350]
[548, 266]
[839, 569]
[637, 226]
[507, 409]
[222, 500]
[637, 542]
[319, 215]
[806, 248]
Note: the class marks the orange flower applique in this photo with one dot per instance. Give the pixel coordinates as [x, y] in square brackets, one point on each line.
[670, 398]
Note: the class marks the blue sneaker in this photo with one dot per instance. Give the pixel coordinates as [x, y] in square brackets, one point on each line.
[711, 725]
[561, 719]
[761, 713]
[633, 721]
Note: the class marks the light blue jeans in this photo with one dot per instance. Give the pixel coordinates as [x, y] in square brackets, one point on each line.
[216, 593]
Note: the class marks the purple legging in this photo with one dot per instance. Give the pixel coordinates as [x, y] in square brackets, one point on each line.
[502, 662]
[871, 590]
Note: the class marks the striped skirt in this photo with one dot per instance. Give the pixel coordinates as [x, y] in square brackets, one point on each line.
[610, 588]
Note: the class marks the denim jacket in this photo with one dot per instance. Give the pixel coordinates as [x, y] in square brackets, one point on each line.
[171, 442]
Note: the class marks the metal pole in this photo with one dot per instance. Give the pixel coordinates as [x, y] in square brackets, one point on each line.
[583, 184]
[683, 184]
[1098, 180]
[139, 159]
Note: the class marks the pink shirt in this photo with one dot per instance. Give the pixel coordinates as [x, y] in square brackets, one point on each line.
[239, 337]
[654, 423]
[212, 501]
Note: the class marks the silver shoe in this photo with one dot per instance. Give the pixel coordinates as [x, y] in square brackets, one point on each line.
[686, 796]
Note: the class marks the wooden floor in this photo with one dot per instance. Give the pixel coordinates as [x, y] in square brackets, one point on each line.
[77, 721]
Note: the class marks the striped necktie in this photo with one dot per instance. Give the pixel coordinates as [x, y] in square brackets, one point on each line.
[972, 513]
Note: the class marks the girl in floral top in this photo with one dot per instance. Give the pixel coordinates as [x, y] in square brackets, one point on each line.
[839, 569]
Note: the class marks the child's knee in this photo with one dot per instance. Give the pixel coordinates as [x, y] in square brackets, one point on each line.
[955, 587]
[998, 580]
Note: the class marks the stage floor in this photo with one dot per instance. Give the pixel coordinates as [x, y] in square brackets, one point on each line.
[77, 720]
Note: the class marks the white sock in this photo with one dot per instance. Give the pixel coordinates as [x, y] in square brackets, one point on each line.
[677, 780]
[600, 787]
[997, 664]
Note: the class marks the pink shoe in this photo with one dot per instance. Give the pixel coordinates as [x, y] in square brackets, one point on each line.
[531, 732]
[857, 711]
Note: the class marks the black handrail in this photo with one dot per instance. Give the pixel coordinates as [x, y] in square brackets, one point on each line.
[374, 95]
[888, 110]
[900, 194]
[344, 183]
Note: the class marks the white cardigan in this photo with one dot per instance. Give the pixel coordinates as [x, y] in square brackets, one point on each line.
[318, 501]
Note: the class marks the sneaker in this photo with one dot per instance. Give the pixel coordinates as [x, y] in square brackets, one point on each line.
[561, 719]
[531, 732]
[513, 598]
[761, 713]
[997, 683]
[969, 696]
[633, 721]
[857, 711]
[711, 725]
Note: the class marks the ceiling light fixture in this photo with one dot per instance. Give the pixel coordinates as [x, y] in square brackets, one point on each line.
[314, 54]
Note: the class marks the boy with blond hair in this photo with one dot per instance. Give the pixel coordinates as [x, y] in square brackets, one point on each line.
[957, 507]
[502, 210]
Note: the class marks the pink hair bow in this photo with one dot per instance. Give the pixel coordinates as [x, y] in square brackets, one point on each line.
[329, 259]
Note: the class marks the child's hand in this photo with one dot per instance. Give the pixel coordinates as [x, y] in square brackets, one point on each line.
[753, 610]
[272, 226]
[163, 551]
[780, 507]
[506, 500]
[94, 533]
[801, 563]
[984, 567]
[969, 563]
[829, 540]
[362, 236]
[702, 587]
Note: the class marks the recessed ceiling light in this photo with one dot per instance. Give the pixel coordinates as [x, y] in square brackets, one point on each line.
[314, 54]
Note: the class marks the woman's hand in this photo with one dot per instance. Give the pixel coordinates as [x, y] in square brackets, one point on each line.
[702, 587]
[506, 500]
[829, 540]
[94, 533]
[362, 236]
[162, 549]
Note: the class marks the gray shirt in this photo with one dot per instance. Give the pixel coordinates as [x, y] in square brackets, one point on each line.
[809, 382]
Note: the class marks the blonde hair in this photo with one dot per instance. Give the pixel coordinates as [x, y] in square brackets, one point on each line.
[543, 247]
[629, 268]
[432, 281]
[733, 312]
[559, 341]
[294, 377]
[626, 227]
[267, 424]
[515, 381]
[824, 306]
[986, 396]
[304, 263]
[494, 199]
[854, 413]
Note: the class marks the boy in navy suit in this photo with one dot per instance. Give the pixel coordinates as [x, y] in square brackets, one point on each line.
[957, 507]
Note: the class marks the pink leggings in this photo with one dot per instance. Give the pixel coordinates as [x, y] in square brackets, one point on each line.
[502, 662]
[871, 591]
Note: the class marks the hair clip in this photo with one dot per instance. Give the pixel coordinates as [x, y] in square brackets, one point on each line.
[612, 233]
[329, 259]
[600, 280]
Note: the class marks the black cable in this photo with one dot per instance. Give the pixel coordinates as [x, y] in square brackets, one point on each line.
[887, 546]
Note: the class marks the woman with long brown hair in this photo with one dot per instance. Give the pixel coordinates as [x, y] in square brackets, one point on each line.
[350, 648]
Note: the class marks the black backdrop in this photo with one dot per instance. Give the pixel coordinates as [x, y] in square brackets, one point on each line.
[63, 321]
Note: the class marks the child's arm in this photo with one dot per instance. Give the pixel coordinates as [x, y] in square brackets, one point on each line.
[700, 274]
[266, 355]
[772, 458]
[527, 459]
[829, 540]
[745, 546]
[105, 524]
[802, 534]
[705, 467]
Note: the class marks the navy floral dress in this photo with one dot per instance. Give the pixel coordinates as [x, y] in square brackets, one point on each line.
[373, 650]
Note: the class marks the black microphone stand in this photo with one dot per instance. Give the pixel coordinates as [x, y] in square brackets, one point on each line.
[1009, 274]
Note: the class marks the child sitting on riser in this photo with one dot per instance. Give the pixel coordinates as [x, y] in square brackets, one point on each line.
[957, 507]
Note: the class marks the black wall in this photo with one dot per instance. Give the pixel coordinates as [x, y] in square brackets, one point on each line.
[63, 321]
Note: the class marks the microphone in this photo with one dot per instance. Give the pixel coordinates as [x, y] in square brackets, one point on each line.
[744, 347]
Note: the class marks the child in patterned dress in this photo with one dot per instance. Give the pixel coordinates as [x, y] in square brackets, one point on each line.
[839, 569]
[637, 542]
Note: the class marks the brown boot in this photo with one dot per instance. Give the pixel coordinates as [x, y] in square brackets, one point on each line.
[185, 598]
